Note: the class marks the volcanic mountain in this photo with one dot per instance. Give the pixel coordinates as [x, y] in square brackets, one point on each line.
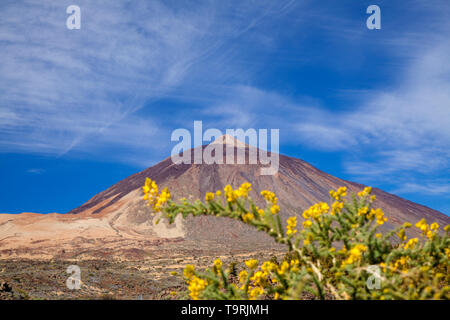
[120, 212]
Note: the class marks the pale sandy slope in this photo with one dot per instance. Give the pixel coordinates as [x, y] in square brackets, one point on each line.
[37, 236]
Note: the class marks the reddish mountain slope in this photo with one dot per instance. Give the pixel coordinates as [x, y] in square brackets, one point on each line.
[297, 184]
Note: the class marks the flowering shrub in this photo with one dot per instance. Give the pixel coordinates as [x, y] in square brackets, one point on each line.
[338, 253]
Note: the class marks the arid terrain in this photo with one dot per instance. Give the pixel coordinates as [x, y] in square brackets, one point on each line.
[123, 254]
[141, 274]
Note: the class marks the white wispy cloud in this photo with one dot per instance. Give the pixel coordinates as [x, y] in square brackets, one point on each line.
[36, 170]
[60, 87]
[391, 134]
[407, 128]
[69, 90]
[84, 90]
[434, 189]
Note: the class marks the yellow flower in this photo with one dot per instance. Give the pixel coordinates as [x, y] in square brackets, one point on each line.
[244, 189]
[209, 196]
[428, 231]
[243, 276]
[230, 194]
[434, 226]
[276, 296]
[283, 268]
[161, 199]
[355, 254]
[407, 225]
[275, 209]
[259, 278]
[174, 273]
[400, 263]
[401, 234]
[336, 207]
[363, 211]
[248, 217]
[324, 207]
[218, 193]
[339, 194]
[366, 191]
[173, 293]
[307, 223]
[189, 271]
[269, 196]
[309, 238]
[196, 286]
[255, 293]
[424, 268]
[291, 225]
[151, 194]
[294, 265]
[379, 215]
[218, 263]
[421, 224]
[411, 243]
[268, 266]
[252, 263]
[316, 210]
[379, 235]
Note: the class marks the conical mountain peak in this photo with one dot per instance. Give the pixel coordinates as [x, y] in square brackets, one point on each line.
[227, 139]
[297, 184]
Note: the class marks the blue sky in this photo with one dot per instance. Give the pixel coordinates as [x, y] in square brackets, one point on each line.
[83, 109]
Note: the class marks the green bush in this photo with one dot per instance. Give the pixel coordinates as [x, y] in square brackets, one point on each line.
[337, 254]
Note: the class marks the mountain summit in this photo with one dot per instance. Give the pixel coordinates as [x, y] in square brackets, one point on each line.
[226, 139]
